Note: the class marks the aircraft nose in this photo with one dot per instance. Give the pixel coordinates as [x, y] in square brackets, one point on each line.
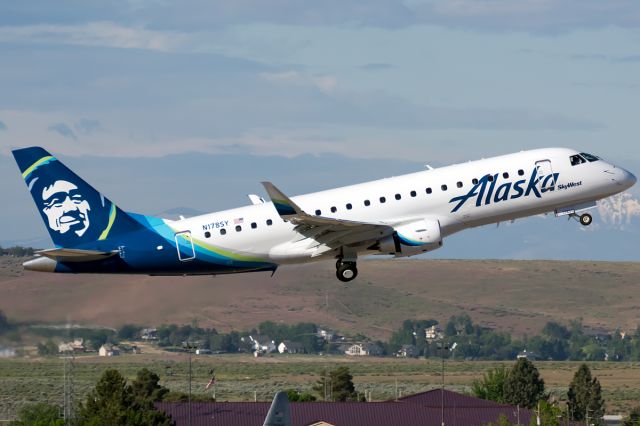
[626, 179]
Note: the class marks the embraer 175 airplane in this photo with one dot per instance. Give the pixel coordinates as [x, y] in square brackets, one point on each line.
[399, 216]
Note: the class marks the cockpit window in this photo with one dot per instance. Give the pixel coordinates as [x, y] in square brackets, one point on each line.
[577, 159]
[590, 157]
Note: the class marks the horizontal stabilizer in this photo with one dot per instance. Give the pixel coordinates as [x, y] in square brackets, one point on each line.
[75, 255]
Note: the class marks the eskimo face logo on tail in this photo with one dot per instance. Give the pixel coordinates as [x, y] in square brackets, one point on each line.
[487, 190]
[65, 208]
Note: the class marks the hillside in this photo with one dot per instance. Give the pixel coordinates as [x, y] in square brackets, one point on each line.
[518, 296]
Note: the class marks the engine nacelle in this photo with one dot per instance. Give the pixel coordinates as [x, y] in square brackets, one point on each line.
[412, 238]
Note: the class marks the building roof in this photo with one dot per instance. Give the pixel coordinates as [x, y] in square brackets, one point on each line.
[335, 413]
[433, 398]
[423, 408]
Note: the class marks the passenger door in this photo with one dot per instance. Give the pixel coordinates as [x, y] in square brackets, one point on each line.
[546, 178]
[184, 245]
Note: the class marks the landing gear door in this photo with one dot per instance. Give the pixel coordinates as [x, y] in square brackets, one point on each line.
[184, 245]
[546, 178]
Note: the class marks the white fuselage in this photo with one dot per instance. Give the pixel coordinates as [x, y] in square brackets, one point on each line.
[427, 194]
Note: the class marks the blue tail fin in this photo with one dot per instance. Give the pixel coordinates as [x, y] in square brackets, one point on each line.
[74, 212]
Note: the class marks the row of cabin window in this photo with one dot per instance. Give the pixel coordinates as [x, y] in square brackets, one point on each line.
[383, 200]
[223, 231]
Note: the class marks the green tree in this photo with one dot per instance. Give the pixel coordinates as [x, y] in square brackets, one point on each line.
[295, 396]
[585, 396]
[128, 331]
[491, 387]
[633, 419]
[4, 323]
[549, 413]
[47, 349]
[337, 385]
[39, 415]
[523, 386]
[146, 388]
[112, 402]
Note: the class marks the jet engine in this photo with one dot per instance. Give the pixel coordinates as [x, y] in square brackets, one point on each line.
[412, 238]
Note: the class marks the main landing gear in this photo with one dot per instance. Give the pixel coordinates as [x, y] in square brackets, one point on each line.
[585, 219]
[346, 271]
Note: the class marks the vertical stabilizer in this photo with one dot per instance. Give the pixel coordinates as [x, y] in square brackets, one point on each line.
[279, 413]
[73, 211]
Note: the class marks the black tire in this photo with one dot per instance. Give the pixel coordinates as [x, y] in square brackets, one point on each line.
[347, 272]
[586, 219]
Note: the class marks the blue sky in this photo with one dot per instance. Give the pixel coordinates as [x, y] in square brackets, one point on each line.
[415, 82]
[439, 80]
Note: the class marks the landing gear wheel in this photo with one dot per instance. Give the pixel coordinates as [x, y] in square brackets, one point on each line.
[347, 272]
[586, 219]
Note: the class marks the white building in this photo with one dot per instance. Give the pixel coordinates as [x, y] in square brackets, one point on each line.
[433, 333]
[291, 347]
[109, 350]
[363, 349]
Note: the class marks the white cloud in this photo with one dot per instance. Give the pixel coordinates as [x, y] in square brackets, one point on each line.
[101, 34]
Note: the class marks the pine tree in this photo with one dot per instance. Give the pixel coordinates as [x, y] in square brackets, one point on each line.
[523, 386]
[338, 386]
[113, 403]
[585, 396]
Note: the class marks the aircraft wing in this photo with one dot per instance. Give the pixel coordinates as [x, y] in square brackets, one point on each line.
[75, 255]
[327, 233]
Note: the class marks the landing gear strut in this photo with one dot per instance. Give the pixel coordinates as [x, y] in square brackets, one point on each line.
[346, 271]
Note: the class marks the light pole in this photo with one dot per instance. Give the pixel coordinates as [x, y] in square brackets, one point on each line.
[189, 346]
[444, 347]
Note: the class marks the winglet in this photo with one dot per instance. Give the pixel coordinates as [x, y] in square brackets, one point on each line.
[283, 204]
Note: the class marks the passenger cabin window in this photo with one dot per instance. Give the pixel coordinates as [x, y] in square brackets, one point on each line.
[474, 181]
[398, 196]
[269, 222]
[414, 193]
[367, 203]
[520, 172]
[318, 213]
[490, 178]
[207, 234]
[383, 200]
[505, 175]
[459, 184]
[334, 209]
[254, 225]
[577, 159]
[238, 228]
[223, 231]
[429, 191]
[590, 157]
[349, 206]
[444, 187]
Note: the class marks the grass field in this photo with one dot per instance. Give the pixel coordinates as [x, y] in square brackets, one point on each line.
[239, 376]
